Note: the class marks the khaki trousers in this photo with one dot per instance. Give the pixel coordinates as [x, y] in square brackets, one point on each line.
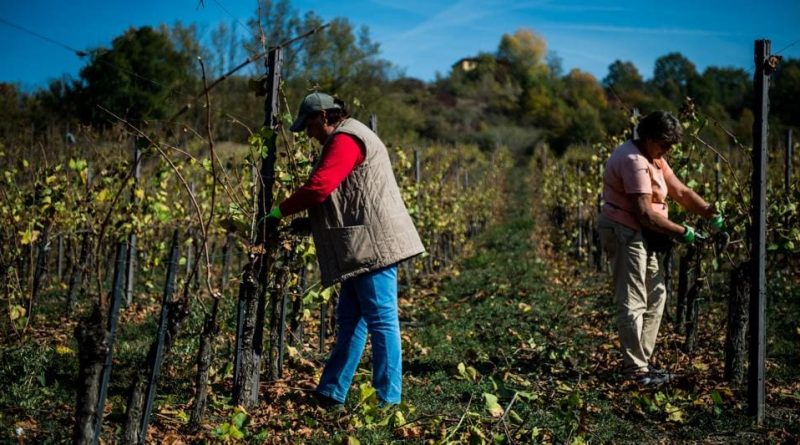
[639, 288]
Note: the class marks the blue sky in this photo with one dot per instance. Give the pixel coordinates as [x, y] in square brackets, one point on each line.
[424, 37]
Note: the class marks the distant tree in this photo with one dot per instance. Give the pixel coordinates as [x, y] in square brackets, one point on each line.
[730, 87]
[785, 93]
[341, 58]
[623, 77]
[525, 51]
[13, 116]
[275, 22]
[673, 76]
[138, 78]
[586, 100]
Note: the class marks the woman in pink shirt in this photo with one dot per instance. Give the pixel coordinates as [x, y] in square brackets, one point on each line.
[634, 219]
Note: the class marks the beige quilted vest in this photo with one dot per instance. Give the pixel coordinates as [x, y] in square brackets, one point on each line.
[363, 225]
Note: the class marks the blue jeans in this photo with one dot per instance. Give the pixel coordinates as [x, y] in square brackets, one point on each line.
[367, 304]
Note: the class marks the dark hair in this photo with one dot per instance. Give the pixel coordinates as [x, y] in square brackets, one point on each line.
[336, 115]
[660, 126]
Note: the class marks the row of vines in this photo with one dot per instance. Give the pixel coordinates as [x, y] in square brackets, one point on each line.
[715, 270]
[162, 240]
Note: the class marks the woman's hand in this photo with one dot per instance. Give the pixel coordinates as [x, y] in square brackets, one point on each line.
[650, 219]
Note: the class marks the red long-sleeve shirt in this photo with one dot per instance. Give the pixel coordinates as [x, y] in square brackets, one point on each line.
[340, 157]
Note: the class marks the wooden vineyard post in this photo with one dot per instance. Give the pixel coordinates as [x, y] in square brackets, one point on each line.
[717, 180]
[598, 243]
[284, 293]
[246, 382]
[78, 267]
[765, 66]
[684, 269]
[691, 301]
[738, 319]
[111, 331]
[60, 266]
[789, 157]
[157, 358]
[40, 268]
[131, 255]
[297, 326]
[204, 356]
[373, 123]
[190, 244]
[226, 261]
[667, 261]
[240, 309]
[323, 317]
[245, 286]
[579, 249]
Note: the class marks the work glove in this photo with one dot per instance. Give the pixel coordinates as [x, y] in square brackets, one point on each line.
[689, 235]
[272, 219]
[717, 223]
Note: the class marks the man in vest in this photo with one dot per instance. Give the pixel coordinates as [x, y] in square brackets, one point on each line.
[361, 230]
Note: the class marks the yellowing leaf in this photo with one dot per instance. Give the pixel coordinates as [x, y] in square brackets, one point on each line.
[138, 193]
[64, 350]
[674, 414]
[29, 236]
[492, 406]
[16, 312]
[700, 366]
[366, 391]
[102, 195]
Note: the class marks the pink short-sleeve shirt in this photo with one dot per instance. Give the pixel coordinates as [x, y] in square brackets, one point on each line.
[629, 172]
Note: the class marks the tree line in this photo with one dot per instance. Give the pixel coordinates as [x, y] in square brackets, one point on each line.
[517, 96]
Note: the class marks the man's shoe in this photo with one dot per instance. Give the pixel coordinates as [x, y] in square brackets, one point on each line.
[326, 402]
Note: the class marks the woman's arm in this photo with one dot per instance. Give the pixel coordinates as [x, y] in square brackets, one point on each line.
[687, 197]
[650, 219]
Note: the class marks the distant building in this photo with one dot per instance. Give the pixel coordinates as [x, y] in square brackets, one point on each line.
[466, 64]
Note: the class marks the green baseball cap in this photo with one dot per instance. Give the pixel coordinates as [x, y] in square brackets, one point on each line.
[312, 103]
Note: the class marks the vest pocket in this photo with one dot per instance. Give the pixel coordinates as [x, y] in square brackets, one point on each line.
[353, 246]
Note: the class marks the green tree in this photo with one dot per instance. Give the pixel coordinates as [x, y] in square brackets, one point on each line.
[138, 78]
[623, 77]
[525, 51]
[730, 87]
[673, 76]
[785, 93]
